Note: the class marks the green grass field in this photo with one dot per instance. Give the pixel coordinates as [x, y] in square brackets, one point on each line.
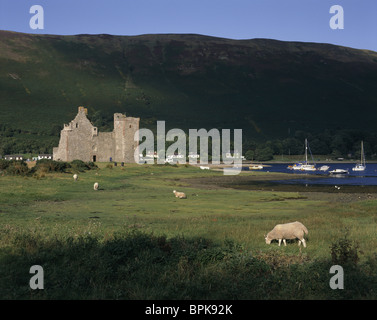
[132, 239]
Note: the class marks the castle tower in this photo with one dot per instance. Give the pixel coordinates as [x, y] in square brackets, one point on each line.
[74, 139]
[124, 132]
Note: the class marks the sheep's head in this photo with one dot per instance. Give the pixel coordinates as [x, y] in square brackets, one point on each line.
[268, 240]
[174, 191]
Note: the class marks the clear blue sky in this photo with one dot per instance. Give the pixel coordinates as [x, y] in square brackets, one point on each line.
[291, 20]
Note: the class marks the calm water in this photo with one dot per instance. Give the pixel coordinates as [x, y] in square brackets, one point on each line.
[355, 178]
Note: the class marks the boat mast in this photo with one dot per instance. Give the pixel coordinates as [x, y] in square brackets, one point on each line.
[306, 151]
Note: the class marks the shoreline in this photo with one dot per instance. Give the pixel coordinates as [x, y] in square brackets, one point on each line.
[270, 163]
[266, 181]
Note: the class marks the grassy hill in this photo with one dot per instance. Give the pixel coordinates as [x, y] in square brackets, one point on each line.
[266, 87]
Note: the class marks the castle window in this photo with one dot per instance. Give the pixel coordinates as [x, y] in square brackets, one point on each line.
[77, 125]
[130, 126]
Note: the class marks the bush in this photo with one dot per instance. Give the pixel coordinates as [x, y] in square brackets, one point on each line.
[345, 251]
[17, 168]
[81, 166]
[4, 164]
[46, 165]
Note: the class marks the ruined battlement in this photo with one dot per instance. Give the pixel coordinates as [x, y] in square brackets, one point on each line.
[84, 110]
[80, 140]
[119, 117]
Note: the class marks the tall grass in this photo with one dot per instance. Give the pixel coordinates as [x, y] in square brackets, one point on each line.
[134, 240]
[137, 265]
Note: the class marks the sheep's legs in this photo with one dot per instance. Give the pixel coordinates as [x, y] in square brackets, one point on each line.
[303, 243]
[285, 242]
[279, 242]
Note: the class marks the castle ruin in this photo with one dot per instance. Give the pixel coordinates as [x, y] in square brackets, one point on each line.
[80, 140]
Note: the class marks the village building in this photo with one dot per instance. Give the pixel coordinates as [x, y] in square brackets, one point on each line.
[44, 156]
[16, 157]
[80, 140]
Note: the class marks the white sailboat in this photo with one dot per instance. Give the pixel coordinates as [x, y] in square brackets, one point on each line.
[306, 166]
[360, 166]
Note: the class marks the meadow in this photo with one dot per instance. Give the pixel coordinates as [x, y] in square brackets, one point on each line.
[132, 239]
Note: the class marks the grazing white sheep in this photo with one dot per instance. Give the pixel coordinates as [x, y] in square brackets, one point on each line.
[96, 186]
[204, 168]
[180, 195]
[290, 230]
[75, 177]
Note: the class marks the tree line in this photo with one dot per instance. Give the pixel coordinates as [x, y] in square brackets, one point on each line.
[332, 143]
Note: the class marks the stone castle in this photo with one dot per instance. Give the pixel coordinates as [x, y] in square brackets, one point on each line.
[80, 140]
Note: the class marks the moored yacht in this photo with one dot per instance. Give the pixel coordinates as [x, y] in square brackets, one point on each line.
[361, 166]
[306, 166]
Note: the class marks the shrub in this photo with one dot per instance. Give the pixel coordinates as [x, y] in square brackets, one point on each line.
[46, 165]
[4, 164]
[17, 168]
[81, 166]
[92, 165]
[345, 251]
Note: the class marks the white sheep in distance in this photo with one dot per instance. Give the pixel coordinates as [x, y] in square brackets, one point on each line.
[96, 186]
[180, 195]
[290, 230]
[75, 177]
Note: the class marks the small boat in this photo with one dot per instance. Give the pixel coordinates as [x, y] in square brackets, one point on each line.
[256, 167]
[296, 166]
[324, 168]
[360, 166]
[339, 171]
[304, 166]
[308, 167]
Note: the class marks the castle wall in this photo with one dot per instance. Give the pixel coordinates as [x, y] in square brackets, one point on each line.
[81, 140]
[104, 147]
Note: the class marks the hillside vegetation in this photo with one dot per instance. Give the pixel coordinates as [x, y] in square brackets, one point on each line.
[269, 88]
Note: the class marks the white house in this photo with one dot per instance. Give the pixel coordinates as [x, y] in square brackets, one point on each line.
[13, 157]
[45, 156]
